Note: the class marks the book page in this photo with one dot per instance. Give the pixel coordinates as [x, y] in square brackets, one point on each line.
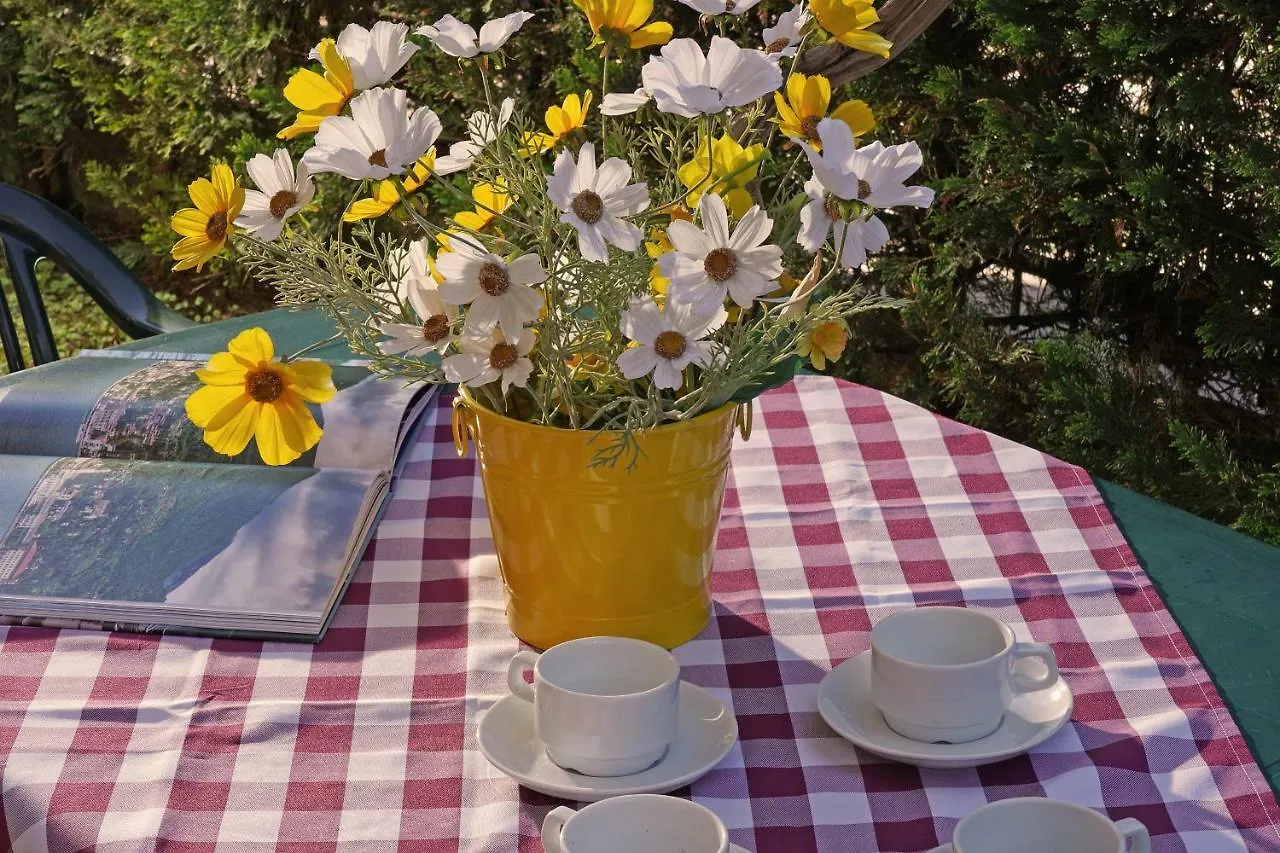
[132, 407]
[173, 536]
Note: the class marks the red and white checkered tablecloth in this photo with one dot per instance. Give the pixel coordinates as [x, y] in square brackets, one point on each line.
[844, 505]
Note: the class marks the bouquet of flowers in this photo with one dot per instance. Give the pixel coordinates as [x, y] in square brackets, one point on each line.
[639, 258]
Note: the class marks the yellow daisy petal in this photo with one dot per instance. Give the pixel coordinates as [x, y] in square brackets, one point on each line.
[224, 184]
[230, 431]
[190, 222]
[857, 115]
[204, 196]
[207, 402]
[312, 380]
[252, 345]
[367, 208]
[657, 33]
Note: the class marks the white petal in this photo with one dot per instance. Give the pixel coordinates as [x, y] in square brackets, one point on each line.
[627, 201]
[612, 175]
[624, 235]
[463, 367]
[666, 375]
[637, 362]
[642, 322]
[752, 230]
[591, 243]
[459, 292]
[494, 34]
[452, 36]
[585, 176]
[560, 183]
[689, 239]
[715, 220]
[618, 103]
[526, 269]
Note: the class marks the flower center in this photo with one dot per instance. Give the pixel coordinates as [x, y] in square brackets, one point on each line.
[378, 158]
[588, 206]
[809, 127]
[777, 45]
[216, 227]
[493, 279]
[264, 385]
[281, 202]
[720, 265]
[730, 5]
[503, 356]
[832, 207]
[864, 189]
[669, 345]
[436, 328]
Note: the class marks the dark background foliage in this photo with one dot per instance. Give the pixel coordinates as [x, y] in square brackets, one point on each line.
[1097, 279]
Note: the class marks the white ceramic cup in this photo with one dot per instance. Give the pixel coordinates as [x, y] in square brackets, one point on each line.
[945, 674]
[1046, 826]
[602, 706]
[636, 823]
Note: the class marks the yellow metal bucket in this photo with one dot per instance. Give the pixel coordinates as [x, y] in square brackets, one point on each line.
[602, 551]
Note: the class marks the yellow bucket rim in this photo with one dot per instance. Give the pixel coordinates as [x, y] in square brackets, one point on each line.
[475, 404]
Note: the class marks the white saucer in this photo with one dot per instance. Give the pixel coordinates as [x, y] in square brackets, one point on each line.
[707, 733]
[844, 700]
[946, 848]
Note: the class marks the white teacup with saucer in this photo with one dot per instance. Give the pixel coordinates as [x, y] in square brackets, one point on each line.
[1045, 826]
[703, 733]
[844, 701]
[640, 823]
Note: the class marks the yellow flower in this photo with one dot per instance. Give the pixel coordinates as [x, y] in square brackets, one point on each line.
[491, 200]
[847, 21]
[561, 121]
[658, 245]
[318, 97]
[624, 21]
[248, 394]
[386, 194]
[806, 104]
[204, 228]
[823, 343]
[732, 167]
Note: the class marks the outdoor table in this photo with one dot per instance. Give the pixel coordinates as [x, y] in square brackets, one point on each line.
[845, 505]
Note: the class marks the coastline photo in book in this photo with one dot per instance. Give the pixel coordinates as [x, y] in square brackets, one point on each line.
[114, 513]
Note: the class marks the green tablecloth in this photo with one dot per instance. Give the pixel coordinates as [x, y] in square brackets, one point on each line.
[1220, 585]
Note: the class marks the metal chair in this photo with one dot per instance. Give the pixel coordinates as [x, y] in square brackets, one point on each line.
[32, 228]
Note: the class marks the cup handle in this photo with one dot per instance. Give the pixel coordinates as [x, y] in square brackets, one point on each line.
[1027, 684]
[553, 825]
[1136, 834]
[515, 675]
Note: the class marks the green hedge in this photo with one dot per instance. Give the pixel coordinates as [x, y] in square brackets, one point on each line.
[1119, 160]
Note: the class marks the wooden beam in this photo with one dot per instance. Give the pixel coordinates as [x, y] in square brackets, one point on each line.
[900, 22]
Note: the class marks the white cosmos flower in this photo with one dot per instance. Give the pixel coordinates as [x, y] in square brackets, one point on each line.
[375, 55]
[380, 138]
[414, 284]
[720, 7]
[621, 104]
[872, 174]
[594, 201]
[709, 262]
[667, 341]
[458, 39]
[854, 239]
[688, 83]
[783, 38]
[281, 193]
[484, 358]
[498, 293]
[482, 129]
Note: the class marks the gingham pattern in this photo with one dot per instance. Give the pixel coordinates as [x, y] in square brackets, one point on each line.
[845, 505]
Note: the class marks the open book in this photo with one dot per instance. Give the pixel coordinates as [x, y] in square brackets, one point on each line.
[114, 513]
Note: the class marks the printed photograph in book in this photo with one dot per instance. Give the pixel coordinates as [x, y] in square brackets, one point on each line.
[222, 537]
[129, 408]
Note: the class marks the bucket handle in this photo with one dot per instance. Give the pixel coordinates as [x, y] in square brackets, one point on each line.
[462, 426]
[744, 417]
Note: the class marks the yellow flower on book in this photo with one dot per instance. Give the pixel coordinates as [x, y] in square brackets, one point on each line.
[248, 394]
[823, 343]
[726, 171]
[204, 228]
[623, 21]
[387, 194]
[561, 120]
[318, 97]
[491, 201]
[806, 104]
[847, 21]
